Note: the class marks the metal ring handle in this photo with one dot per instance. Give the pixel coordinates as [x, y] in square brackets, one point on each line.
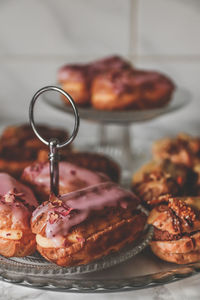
[69, 98]
[53, 143]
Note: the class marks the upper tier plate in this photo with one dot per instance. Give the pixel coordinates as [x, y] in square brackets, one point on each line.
[181, 97]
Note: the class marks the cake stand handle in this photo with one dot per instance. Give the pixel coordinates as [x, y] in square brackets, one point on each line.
[53, 143]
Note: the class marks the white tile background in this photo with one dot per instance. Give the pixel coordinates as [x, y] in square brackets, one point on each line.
[37, 37]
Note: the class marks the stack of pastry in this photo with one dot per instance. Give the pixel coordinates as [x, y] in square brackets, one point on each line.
[92, 217]
[169, 186]
[113, 83]
[177, 230]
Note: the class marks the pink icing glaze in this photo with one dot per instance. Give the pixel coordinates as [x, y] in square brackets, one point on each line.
[20, 214]
[73, 208]
[129, 79]
[16, 199]
[68, 173]
[109, 63]
[8, 183]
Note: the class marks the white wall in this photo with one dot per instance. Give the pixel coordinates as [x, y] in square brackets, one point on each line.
[37, 37]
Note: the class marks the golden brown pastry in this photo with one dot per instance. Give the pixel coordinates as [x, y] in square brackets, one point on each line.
[16, 205]
[85, 225]
[177, 230]
[156, 180]
[71, 178]
[183, 149]
[196, 169]
[92, 161]
[130, 88]
[75, 80]
[19, 146]
[112, 83]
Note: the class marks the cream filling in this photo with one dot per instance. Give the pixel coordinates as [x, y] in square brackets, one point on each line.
[73, 86]
[11, 234]
[49, 243]
[57, 241]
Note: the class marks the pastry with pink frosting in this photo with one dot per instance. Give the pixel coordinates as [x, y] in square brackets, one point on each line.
[131, 88]
[82, 226]
[71, 178]
[17, 203]
[89, 160]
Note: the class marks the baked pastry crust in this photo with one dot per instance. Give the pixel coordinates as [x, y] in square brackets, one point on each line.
[24, 247]
[183, 149]
[97, 245]
[130, 88]
[178, 258]
[106, 220]
[154, 181]
[19, 146]
[74, 79]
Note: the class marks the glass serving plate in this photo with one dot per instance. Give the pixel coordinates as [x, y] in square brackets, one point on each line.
[138, 272]
[119, 146]
[181, 97]
[37, 272]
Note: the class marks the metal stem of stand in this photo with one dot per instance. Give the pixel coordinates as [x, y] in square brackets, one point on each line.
[53, 143]
[54, 169]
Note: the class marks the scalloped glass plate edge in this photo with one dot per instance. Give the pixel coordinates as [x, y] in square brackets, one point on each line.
[65, 284]
[102, 286]
[31, 265]
[180, 99]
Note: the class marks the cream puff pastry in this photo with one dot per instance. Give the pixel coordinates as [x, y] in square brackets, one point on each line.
[16, 205]
[177, 230]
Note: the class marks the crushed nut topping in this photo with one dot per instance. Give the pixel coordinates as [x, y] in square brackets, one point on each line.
[64, 213]
[55, 201]
[53, 217]
[182, 210]
[11, 196]
[164, 198]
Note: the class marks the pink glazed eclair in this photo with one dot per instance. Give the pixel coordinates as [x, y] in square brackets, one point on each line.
[85, 225]
[71, 178]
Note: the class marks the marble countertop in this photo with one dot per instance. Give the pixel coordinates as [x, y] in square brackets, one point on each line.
[184, 289]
